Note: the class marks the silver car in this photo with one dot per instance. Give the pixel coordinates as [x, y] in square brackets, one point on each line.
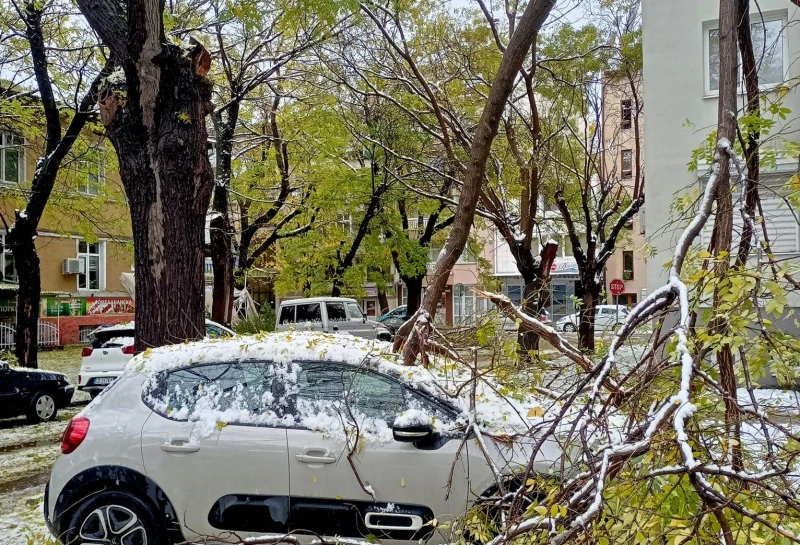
[329, 315]
[606, 317]
[245, 437]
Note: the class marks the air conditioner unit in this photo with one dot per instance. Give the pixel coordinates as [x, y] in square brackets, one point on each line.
[73, 265]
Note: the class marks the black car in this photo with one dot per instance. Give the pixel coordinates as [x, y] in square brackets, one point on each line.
[33, 393]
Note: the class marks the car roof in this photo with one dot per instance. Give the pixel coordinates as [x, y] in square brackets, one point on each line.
[318, 300]
[124, 327]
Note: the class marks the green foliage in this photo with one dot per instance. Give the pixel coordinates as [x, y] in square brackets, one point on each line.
[265, 321]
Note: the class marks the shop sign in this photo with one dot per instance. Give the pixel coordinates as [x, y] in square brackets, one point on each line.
[8, 306]
[109, 306]
[88, 306]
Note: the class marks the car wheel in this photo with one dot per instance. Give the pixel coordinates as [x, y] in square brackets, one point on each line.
[569, 328]
[43, 408]
[114, 518]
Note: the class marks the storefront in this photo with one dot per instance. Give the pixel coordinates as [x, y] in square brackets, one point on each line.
[563, 276]
[76, 317]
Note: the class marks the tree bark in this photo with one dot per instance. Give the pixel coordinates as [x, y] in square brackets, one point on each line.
[413, 287]
[723, 224]
[155, 120]
[518, 46]
[537, 292]
[383, 303]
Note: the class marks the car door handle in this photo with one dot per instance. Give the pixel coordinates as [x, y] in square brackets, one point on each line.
[179, 444]
[336, 328]
[315, 459]
[392, 521]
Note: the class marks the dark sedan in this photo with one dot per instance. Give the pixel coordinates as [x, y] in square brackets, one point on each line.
[33, 393]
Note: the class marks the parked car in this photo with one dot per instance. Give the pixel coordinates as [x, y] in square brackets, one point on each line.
[246, 437]
[111, 348]
[329, 315]
[393, 319]
[605, 317]
[35, 393]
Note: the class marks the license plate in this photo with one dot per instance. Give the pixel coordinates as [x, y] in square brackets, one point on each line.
[104, 380]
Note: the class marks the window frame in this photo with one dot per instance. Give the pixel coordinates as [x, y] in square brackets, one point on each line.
[765, 17]
[4, 135]
[625, 174]
[85, 187]
[101, 259]
[7, 251]
[626, 105]
[625, 255]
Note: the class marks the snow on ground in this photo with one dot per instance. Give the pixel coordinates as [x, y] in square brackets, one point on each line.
[21, 519]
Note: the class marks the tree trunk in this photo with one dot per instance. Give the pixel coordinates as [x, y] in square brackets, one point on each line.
[413, 288]
[518, 46]
[163, 161]
[383, 303]
[23, 247]
[221, 232]
[723, 224]
[589, 294]
[536, 295]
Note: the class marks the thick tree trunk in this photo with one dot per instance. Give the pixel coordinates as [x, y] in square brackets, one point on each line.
[536, 295]
[413, 287]
[21, 240]
[518, 46]
[383, 303]
[166, 173]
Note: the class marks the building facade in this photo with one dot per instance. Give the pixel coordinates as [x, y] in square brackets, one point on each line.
[680, 49]
[622, 164]
[83, 243]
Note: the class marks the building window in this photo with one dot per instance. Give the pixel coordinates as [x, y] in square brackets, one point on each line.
[768, 45]
[94, 265]
[627, 299]
[627, 265]
[12, 158]
[627, 113]
[7, 263]
[92, 173]
[627, 163]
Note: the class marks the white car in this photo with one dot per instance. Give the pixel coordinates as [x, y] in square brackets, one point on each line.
[257, 435]
[110, 350]
[329, 315]
[605, 317]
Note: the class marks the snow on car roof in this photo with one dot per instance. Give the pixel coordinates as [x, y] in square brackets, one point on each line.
[318, 300]
[497, 410]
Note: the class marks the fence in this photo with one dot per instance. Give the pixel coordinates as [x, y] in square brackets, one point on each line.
[48, 335]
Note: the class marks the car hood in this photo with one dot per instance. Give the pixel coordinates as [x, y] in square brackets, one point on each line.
[42, 374]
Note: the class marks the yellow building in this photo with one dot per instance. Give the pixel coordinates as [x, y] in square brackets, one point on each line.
[83, 242]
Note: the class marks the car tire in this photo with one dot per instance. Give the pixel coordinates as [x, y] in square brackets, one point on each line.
[43, 408]
[114, 517]
[569, 328]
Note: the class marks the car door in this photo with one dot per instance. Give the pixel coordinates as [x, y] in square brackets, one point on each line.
[212, 448]
[338, 320]
[373, 486]
[360, 326]
[10, 400]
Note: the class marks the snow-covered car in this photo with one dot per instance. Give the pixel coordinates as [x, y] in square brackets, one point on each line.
[35, 393]
[111, 348]
[605, 317]
[293, 432]
[329, 315]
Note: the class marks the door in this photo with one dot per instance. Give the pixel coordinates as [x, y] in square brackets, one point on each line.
[9, 392]
[215, 447]
[387, 489]
[359, 325]
[338, 321]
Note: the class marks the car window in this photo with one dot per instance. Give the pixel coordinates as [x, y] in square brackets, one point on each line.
[215, 332]
[336, 312]
[607, 311]
[112, 339]
[309, 312]
[377, 397]
[354, 311]
[287, 314]
[238, 393]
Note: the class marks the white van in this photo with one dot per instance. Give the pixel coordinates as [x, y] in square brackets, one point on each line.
[329, 315]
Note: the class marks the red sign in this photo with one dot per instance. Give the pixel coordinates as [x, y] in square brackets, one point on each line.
[617, 286]
[109, 306]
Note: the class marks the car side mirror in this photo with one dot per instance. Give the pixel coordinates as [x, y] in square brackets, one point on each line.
[412, 433]
[4, 367]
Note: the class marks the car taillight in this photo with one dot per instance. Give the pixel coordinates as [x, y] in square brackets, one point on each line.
[86, 352]
[74, 435]
[127, 349]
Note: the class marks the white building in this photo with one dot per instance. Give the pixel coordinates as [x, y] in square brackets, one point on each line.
[680, 96]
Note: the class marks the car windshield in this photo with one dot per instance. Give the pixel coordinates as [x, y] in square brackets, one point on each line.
[112, 339]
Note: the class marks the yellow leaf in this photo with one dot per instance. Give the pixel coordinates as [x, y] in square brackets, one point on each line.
[541, 509]
[402, 482]
[314, 478]
[536, 411]
[563, 511]
[554, 511]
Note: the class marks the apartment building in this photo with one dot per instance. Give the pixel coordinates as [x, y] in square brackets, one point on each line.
[680, 47]
[622, 165]
[83, 242]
